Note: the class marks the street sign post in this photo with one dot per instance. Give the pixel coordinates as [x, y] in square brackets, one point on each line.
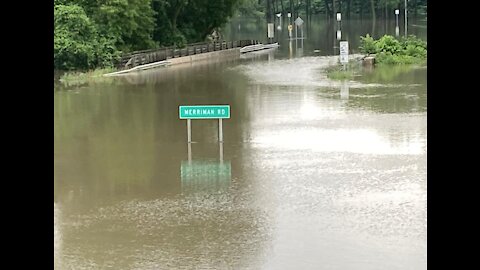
[190, 112]
[298, 22]
[344, 52]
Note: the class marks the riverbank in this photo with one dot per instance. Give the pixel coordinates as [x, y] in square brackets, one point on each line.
[77, 78]
[70, 79]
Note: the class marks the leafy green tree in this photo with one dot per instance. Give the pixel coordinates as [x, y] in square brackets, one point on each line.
[182, 21]
[75, 38]
[201, 17]
[129, 22]
[166, 31]
[251, 8]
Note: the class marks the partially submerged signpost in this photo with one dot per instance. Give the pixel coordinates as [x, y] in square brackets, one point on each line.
[199, 175]
[270, 32]
[298, 23]
[190, 112]
[344, 53]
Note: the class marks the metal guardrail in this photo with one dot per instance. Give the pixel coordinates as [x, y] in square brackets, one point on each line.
[137, 58]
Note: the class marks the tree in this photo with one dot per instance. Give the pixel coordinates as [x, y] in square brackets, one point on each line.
[201, 17]
[75, 38]
[129, 22]
[180, 21]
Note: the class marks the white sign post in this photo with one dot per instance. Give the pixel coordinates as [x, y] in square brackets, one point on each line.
[270, 30]
[344, 53]
[397, 29]
[339, 19]
[279, 15]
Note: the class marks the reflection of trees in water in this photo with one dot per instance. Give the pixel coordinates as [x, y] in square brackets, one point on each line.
[394, 74]
[404, 90]
[113, 140]
[115, 144]
[105, 144]
[179, 71]
[389, 100]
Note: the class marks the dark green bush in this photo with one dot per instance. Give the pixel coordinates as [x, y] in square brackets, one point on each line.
[390, 50]
[367, 45]
[74, 37]
[77, 44]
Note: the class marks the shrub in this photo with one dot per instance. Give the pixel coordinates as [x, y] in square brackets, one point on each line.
[77, 44]
[390, 50]
[367, 45]
[74, 35]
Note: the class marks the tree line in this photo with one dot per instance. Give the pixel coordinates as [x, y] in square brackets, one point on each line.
[361, 8]
[94, 33]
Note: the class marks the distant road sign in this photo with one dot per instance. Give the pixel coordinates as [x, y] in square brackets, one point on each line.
[290, 27]
[204, 112]
[299, 21]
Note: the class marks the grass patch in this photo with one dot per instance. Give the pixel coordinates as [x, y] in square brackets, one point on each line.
[336, 73]
[389, 59]
[76, 78]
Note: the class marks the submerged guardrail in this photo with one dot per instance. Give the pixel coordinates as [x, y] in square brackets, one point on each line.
[138, 58]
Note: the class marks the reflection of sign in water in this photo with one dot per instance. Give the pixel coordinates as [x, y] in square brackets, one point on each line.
[343, 52]
[204, 112]
[344, 90]
[197, 175]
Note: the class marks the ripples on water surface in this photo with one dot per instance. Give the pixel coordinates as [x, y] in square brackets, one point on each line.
[314, 174]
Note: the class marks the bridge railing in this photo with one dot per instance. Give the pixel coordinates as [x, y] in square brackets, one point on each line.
[137, 58]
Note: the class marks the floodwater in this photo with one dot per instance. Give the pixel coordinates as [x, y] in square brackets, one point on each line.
[312, 174]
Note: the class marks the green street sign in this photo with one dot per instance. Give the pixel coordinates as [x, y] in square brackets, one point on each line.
[204, 112]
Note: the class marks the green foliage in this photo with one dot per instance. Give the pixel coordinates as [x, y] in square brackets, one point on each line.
[389, 59]
[77, 43]
[367, 45]
[93, 33]
[201, 17]
[251, 9]
[339, 72]
[75, 38]
[390, 50]
[74, 79]
[388, 44]
[89, 33]
[129, 22]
